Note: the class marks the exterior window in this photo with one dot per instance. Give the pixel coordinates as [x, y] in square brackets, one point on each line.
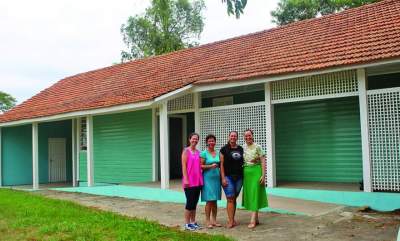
[83, 135]
[223, 101]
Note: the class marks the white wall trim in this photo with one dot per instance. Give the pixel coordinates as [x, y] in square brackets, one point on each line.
[74, 152]
[223, 85]
[90, 161]
[164, 145]
[1, 160]
[270, 134]
[197, 106]
[154, 144]
[35, 156]
[181, 111]
[174, 94]
[383, 91]
[226, 107]
[78, 148]
[83, 113]
[318, 97]
[363, 101]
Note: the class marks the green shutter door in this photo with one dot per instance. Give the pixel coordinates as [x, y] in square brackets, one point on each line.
[318, 141]
[82, 166]
[17, 155]
[122, 147]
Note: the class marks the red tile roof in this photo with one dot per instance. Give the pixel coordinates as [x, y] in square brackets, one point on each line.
[360, 35]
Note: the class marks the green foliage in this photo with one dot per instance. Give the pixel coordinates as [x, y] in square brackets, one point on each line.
[235, 7]
[289, 11]
[25, 216]
[166, 26]
[6, 102]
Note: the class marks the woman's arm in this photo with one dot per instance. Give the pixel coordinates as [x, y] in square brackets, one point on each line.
[222, 170]
[263, 167]
[184, 169]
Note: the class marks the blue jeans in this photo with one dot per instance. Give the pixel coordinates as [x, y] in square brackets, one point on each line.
[234, 186]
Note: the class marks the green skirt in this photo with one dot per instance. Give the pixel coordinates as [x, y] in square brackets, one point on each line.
[254, 195]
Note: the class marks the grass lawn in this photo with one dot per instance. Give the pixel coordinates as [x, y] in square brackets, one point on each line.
[25, 216]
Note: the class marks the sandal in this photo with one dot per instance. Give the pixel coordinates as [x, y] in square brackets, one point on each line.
[252, 225]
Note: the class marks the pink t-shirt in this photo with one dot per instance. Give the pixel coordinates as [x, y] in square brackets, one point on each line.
[193, 168]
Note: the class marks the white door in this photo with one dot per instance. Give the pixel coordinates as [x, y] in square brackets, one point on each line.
[57, 160]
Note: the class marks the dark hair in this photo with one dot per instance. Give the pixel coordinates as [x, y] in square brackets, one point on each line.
[237, 134]
[251, 131]
[210, 136]
[194, 134]
[233, 132]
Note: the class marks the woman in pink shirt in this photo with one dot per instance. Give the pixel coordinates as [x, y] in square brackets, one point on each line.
[192, 181]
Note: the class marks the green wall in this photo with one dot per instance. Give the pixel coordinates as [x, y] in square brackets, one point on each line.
[318, 141]
[82, 166]
[17, 155]
[122, 147]
[60, 129]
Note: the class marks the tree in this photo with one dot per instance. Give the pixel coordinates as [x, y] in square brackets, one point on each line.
[289, 11]
[6, 102]
[235, 7]
[166, 26]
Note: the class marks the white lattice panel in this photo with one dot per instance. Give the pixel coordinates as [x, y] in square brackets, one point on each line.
[181, 103]
[384, 128]
[317, 85]
[221, 120]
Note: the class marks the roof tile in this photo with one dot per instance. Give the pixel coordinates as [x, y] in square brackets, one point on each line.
[355, 36]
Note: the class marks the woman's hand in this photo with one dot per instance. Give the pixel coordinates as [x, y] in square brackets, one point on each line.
[213, 166]
[185, 182]
[262, 180]
[255, 160]
[224, 182]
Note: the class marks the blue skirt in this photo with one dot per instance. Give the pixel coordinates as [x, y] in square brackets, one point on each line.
[211, 190]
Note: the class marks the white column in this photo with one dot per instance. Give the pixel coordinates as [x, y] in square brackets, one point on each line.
[73, 144]
[1, 163]
[89, 151]
[78, 147]
[196, 106]
[363, 100]
[164, 146]
[269, 118]
[154, 144]
[35, 157]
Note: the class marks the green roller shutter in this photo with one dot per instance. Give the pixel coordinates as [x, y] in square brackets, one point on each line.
[318, 141]
[17, 155]
[122, 147]
[82, 166]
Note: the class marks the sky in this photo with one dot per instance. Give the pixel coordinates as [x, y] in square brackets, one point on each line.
[44, 41]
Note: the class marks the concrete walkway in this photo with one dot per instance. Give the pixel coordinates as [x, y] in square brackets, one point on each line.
[339, 223]
[277, 204]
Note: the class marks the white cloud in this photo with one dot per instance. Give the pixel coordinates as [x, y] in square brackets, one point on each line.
[45, 40]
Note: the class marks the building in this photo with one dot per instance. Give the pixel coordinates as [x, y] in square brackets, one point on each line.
[322, 95]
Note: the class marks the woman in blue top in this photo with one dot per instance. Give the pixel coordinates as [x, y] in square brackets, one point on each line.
[211, 191]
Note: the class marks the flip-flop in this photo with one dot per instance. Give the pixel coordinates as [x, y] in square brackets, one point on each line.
[217, 225]
[252, 225]
[210, 226]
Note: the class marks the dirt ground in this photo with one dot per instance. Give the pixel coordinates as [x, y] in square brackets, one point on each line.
[342, 223]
